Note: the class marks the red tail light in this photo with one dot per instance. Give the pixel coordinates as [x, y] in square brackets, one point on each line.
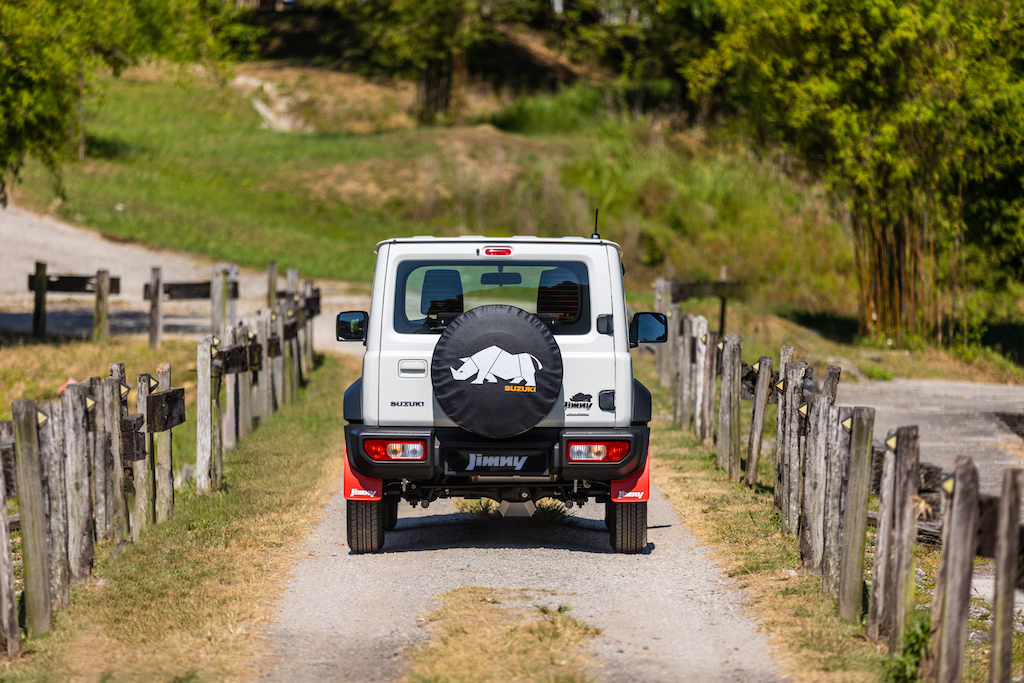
[386, 449]
[497, 251]
[597, 451]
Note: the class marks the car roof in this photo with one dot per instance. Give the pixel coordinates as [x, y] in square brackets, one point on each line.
[522, 239]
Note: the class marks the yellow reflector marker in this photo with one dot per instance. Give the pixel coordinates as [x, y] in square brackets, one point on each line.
[947, 485]
[704, 339]
[802, 410]
[757, 366]
[41, 417]
[153, 383]
[90, 403]
[781, 386]
[848, 424]
[216, 342]
[721, 345]
[891, 442]
[124, 390]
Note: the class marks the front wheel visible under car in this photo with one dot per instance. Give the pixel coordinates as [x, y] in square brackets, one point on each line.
[627, 524]
[365, 528]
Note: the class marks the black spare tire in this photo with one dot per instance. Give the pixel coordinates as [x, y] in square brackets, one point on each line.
[496, 371]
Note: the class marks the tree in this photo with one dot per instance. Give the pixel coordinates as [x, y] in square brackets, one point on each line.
[50, 51]
[900, 107]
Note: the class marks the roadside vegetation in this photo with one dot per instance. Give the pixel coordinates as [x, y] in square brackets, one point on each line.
[185, 602]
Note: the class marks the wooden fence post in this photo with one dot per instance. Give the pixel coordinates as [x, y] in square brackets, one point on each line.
[700, 332]
[836, 476]
[204, 413]
[32, 507]
[815, 471]
[764, 376]
[682, 413]
[792, 455]
[785, 356]
[230, 380]
[831, 384]
[51, 461]
[164, 508]
[307, 353]
[880, 610]
[277, 330]
[39, 312]
[264, 376]
[672, 312]
[117, 512]
[244, 387]
[728, 435]
[855, 513]
[81, 548]
[1007, 549]
[904, 534]
[710, 381]
[10, 633]
[101, 312]
[219, 299]
[99, 453]
[271, 284]
[143, 514]
[156, 319]
[960, 545]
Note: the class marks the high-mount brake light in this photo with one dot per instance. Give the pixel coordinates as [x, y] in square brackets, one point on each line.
[497, 251]
[597, 451]
[386, 449]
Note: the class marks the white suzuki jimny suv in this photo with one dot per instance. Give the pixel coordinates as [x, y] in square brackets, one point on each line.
[497, 368]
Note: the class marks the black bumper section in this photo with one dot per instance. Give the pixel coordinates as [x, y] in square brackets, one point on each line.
[458, 458]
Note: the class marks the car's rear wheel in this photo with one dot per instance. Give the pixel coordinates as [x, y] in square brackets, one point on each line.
[366, 525]
[391, 512]
[628, 527]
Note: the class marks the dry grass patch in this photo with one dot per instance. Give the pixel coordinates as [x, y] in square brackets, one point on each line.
[484, 634]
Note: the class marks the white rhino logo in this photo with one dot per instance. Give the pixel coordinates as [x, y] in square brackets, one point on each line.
[493, 363]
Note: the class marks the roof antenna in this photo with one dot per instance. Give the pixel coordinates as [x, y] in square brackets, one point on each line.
[595, 236]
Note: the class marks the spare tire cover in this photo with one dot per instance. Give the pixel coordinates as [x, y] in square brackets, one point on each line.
[496, 371]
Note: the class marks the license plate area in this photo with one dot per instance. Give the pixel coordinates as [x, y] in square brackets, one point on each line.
[471, 462]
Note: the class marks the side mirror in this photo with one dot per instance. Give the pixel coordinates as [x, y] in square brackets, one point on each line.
[648, 328]
[351, 326]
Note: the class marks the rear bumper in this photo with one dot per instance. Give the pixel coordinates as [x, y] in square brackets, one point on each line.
[463, 460]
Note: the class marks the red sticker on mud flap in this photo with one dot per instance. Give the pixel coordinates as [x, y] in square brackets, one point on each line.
[636, 489]
[361, 487]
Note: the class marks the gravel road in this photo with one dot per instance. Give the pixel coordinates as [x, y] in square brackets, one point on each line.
[984, 421]
[667, 615]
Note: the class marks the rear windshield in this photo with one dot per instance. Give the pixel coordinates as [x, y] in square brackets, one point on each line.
[429, 295]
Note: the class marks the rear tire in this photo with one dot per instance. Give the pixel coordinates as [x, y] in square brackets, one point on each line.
[391, 512]
[629, 527]
[365, 525]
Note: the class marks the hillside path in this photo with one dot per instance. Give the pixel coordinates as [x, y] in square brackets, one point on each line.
[667, 615]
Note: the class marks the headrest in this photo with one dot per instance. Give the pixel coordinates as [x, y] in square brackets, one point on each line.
[442, 293]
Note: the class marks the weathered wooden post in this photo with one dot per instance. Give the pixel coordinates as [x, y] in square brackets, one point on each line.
[10, 633]
[831, 384]
[143, 514]
[904, 534]
[837, 470]
[672, 313]
[39, 312]
[219, 299]
[785, 356]
[700, 337]
[311, 297]
[81, 548]
[101, 312]
[264, 375]
[156, 320]
[792, 455]
[164, 507]
[204, 413]
[815, 470]
[244, 386]
[1007, 549]
[230, 433]
[117, 512]
[763, 368]
[956, 597]
[277, 347]
[710, 381]
[682, 397]
[880, 610]
[51, 461]
[855, 514]
[32, 507]
[271, 284]
[99, 454]
[728, 434]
